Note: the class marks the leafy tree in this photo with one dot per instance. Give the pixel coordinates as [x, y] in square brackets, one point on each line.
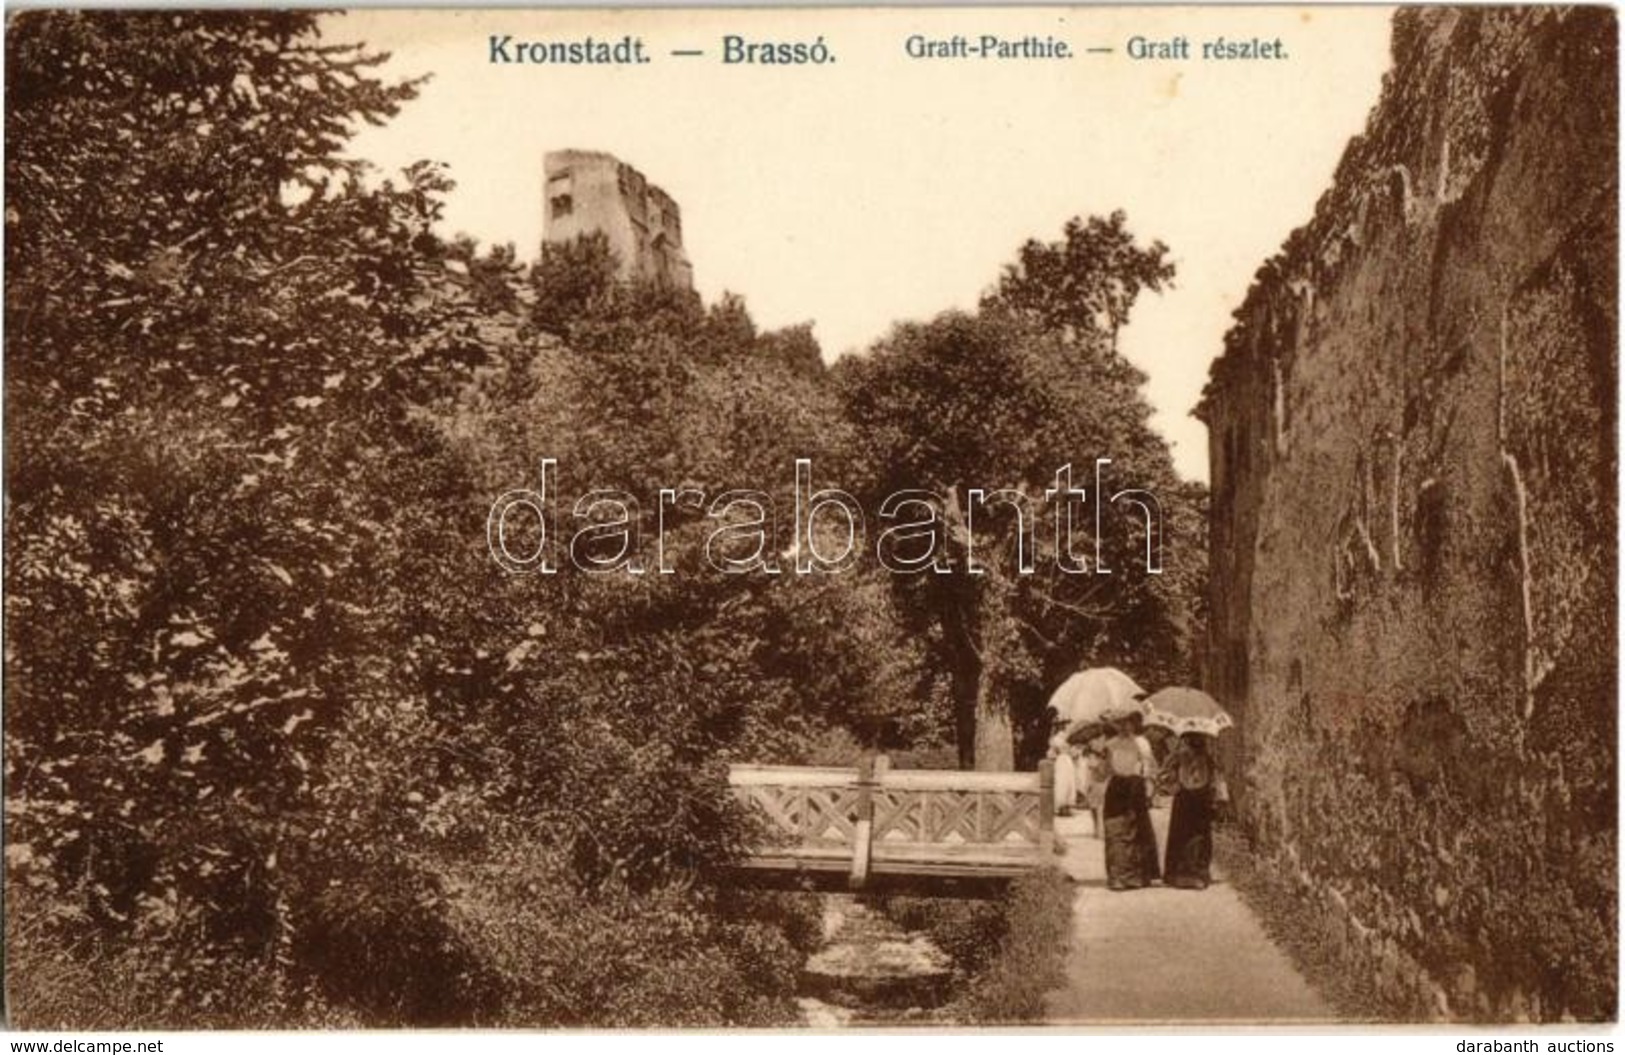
[797, 348]
[281, 738]
[573, 280]
[1085, 284]
[1003, 400]
[218, 338]
[659, 393]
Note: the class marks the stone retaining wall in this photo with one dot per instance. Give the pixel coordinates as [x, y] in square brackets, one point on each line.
[1413, 548]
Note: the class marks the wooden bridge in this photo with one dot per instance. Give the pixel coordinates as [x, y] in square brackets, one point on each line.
[947, 830]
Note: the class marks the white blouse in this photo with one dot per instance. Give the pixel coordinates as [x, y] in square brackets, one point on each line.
[1129, 756]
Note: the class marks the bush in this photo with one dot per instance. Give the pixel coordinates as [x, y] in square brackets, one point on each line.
[667, 957]
[1031, 960]
[968, 931]
[61, 976]
[1012, 951]
[833, 747]
[937, 756]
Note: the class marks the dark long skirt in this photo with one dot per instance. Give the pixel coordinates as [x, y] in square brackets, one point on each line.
[1131, 845]
[1190, 839]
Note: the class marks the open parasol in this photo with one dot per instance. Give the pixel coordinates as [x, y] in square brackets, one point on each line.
[1099, 694]
[1183, 710]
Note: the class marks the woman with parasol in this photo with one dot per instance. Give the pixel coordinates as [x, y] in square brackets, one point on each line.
[1195, 780]
[1106, 698]
[1131, 842]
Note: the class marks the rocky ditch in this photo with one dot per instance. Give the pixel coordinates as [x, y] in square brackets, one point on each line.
[869, 970]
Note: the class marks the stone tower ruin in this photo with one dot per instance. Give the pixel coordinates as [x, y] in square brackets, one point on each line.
[588, 191]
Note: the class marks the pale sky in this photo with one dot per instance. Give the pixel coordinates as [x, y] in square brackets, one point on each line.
[881, 188]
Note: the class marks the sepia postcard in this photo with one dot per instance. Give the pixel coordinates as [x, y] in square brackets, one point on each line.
[811, 519]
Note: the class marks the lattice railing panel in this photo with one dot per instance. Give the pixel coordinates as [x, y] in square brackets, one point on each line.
[807, 815]
[900, 815]
[954, 817]
[905, 821]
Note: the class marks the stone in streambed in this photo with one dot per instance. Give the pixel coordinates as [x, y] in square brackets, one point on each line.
[871, 962]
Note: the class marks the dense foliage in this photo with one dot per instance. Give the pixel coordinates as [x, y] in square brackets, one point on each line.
[1012, 950]
[282, 743]
[1003, 402]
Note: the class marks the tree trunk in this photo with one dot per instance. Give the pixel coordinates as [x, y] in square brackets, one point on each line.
[977, 629]
[995, 743]
[964, 675]
[964, 694]
[995, 746]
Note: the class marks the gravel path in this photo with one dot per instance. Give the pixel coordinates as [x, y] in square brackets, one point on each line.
[1170, 956]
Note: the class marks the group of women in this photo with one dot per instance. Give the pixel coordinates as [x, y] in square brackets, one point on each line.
[1119, 775]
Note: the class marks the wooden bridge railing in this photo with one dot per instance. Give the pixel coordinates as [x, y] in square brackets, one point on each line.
[876, 821]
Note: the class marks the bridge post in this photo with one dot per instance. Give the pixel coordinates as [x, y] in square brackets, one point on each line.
[1046, 813]
[871, 771]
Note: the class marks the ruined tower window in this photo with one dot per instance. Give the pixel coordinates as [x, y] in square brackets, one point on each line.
[619, 204]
